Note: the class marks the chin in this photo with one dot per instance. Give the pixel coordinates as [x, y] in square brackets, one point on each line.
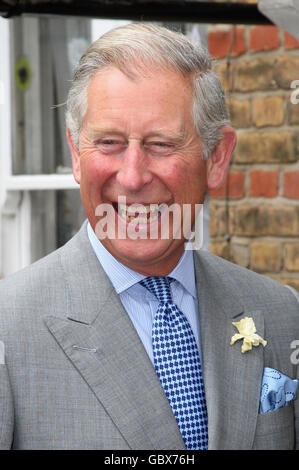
[134, 253]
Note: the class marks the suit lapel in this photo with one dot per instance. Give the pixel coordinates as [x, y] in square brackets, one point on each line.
[232, 379]
[100, 340]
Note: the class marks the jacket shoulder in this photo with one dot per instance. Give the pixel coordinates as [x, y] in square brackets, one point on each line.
[47, 269]
[38, 288]
[253, 288]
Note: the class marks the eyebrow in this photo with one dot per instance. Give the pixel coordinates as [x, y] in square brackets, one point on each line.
[94, 131]
[160, 132]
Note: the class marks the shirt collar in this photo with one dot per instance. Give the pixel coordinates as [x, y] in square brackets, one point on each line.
[123, 278]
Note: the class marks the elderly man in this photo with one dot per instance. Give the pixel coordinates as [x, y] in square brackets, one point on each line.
[123, 339]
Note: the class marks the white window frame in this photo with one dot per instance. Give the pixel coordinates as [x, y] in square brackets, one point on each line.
[15, 204]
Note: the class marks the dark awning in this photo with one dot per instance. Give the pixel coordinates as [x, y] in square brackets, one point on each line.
[141, 10]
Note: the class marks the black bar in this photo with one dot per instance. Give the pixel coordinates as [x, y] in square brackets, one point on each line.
[172, 11]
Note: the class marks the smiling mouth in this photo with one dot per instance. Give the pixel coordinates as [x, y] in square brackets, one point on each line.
[139, 213]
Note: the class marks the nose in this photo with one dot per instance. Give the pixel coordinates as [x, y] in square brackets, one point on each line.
[134, 172]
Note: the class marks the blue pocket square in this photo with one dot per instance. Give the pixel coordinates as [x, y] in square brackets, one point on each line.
[277, 390]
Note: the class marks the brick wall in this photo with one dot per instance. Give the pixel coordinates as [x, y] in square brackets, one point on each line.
[255, 213]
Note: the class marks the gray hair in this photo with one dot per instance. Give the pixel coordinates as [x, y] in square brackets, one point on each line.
[134, 47]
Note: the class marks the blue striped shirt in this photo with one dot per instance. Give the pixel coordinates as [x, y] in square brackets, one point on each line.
[139, 303]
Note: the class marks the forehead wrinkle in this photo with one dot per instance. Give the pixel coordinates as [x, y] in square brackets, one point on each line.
[177, 136]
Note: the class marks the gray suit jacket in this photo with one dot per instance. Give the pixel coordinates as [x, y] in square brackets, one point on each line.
[76, 375]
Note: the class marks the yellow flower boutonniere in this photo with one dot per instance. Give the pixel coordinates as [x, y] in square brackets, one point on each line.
[247, 332]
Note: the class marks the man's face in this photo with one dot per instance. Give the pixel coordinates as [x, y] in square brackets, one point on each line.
[138, 141]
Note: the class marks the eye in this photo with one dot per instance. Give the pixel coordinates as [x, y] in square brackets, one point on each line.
[110, 146]
[159, 147]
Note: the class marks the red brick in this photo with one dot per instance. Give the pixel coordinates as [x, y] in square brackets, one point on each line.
[219, 43]
[289, 41]
[263, 183]
[263, 38]
[232, 186]
[291, 184]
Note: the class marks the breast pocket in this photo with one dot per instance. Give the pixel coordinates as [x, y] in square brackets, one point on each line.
[275, 430]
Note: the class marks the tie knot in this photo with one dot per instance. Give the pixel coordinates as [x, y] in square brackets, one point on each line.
[159, 286]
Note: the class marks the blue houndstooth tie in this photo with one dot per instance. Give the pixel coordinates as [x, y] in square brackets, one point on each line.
[177, 364]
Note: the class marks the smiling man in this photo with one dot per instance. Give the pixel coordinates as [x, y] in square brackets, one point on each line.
[124, 339]
[138, 141]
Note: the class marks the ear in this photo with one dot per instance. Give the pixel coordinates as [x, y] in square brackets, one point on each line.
[75, 157]
[218, 161]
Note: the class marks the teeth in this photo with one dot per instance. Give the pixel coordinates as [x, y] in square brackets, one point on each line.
[139, 212]
[139, 209]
